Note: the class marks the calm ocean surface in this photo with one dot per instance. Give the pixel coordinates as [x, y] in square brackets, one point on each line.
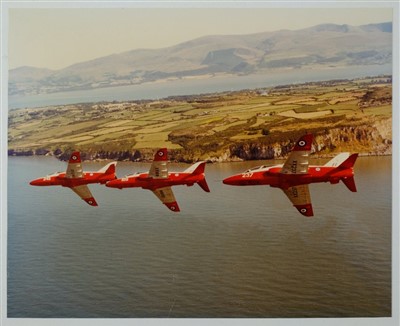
[158, 90]
[234, 252]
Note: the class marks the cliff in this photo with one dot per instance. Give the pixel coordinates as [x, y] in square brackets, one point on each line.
[354, 116]
[365, 139]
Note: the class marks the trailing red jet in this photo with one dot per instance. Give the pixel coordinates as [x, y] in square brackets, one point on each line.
[160, 181]
[76, 179]
[294, 176]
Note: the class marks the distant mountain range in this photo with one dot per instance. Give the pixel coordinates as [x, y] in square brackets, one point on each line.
[326, 45]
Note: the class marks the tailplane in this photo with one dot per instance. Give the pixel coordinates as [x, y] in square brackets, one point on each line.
[345, 165]
[203, 185]
[350, 183]
[198, 169]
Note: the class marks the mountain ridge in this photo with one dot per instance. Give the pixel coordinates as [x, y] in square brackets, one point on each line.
[324, 45]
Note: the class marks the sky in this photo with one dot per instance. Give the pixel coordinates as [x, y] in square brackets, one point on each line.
[58, 37]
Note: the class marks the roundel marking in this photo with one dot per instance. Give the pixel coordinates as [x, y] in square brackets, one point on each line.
[302, 143]
[173, 208]
[318, 169]
[303, 210]
[90, 202]
[74, 158]
[160, 153]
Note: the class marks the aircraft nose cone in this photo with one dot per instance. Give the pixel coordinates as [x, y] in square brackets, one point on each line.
[233, 180]
[34, 182]
[113, 183]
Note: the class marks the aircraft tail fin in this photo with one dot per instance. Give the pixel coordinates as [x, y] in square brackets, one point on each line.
[108, 169]
[347, 164]
[337, 160]
[198, 169]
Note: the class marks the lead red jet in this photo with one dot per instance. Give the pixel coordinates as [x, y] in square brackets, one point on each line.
[76, 179]
[294, 176]
[160, 181]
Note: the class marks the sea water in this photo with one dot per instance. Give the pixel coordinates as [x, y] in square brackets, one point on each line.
[233, 252]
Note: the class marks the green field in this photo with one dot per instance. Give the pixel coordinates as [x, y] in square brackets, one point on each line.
[206, 125]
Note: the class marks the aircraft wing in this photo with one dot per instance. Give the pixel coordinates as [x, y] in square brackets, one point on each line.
[159, 169]
[300, 198]
[167, 197]
[74, 168]
[84, 192]
[297, 162]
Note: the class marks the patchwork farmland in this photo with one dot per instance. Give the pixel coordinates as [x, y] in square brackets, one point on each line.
[203, 126]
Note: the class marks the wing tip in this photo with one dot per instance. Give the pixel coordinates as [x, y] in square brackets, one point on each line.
[161, 155]
[305, 210]
[75, 157]
[174, 207]
[91, 201]
[304, 143]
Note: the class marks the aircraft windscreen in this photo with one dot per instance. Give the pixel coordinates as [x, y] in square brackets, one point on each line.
[133, 174]
[257, 168]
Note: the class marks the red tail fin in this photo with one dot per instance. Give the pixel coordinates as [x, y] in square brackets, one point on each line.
[108, 169]
[111, 169]
[348, 164]
[108, 173]
[198, 169]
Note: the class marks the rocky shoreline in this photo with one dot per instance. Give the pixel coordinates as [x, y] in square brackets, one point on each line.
[263, 124]
[375, 139]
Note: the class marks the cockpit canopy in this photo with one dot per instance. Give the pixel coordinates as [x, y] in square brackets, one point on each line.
[262, 168]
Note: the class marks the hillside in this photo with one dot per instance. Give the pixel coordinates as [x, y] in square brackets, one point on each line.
[255, 124]
[325, 45]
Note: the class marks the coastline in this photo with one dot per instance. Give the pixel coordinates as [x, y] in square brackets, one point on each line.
[255, 124]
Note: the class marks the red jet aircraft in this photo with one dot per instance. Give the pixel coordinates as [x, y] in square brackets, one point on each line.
[76, 179]
[159, 181]
[294, 176]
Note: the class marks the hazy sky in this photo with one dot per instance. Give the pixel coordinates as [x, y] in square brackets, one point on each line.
[56, 38]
